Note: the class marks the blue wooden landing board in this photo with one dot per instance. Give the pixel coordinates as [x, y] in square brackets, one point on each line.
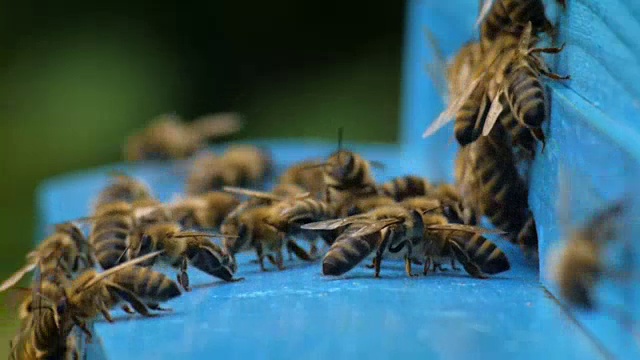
[300, 313]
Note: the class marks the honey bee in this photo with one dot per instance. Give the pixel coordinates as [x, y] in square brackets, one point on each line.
[578, 265]
[306, 174]
[168, 137]
[182, 248]
[390, 230]
[510, 17]
[49, 325]
[112, 225]
[123, 188]
[240, 165]
[206, 211]
[517, 79]
[289, 215]
[465, 244]
[453, 205]
[491, 185]
[402, 187]
[251, 229]
[65, 251]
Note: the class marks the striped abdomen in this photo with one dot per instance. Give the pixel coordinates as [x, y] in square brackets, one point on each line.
[465, 129]
[510, 16]
[501, 192]
[528, 236]
[526, 95]
[109, 240]
[403, 187]
[520, 135]
[150, 286]
[482, 252]
[46, 335]
[347, 251]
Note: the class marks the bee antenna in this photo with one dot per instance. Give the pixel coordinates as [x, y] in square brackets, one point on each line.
[123, 252]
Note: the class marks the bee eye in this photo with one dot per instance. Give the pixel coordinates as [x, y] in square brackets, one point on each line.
[242, 231]
[61, 307]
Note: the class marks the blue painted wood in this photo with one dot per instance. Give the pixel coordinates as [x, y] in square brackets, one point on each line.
[452, 24]
[602, 55]
[300, 313]
[600, 161]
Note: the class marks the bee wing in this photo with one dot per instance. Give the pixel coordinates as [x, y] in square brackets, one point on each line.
[252, 193]
[437, 70]
[375, 227]
[454, 106]
[13, 279]
[119, 267]
[332, 224]
[494, 112]
[465, 228]
[484, 11]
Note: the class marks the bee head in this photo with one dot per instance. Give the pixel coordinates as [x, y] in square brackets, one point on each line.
[235, 235]
[341, 164]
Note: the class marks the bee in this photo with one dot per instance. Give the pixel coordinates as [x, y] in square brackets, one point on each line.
[403, 187]
[240, 165]
[94, 293]
[517, 79]
[289, 215]
[453, 205]
[306, 174]
[206, 211]
[269, 221]
[578, 265]
[65, 251]
[123, 188]
[465, 244]
[347, 176]
[50, 324]
[168, 137]
[112, 225]
[390, 230]
[182, 248]
[491, 185]
[510, 17]
[251, 229]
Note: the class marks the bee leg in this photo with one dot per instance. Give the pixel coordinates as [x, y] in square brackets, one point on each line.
[183, 277]
[83, 326]
[548, 50]
[127, 309]
[260, 255]
[372, 265]
[427, 266]
[453, 265]
[105, 313]
[554, 76]
[378, 259]
[157, 307]
[280, 260]
[407, 266]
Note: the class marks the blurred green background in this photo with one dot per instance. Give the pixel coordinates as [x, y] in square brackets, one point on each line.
[77, 77]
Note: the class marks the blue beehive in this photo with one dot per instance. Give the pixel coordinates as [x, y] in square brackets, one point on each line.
[300, 313]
